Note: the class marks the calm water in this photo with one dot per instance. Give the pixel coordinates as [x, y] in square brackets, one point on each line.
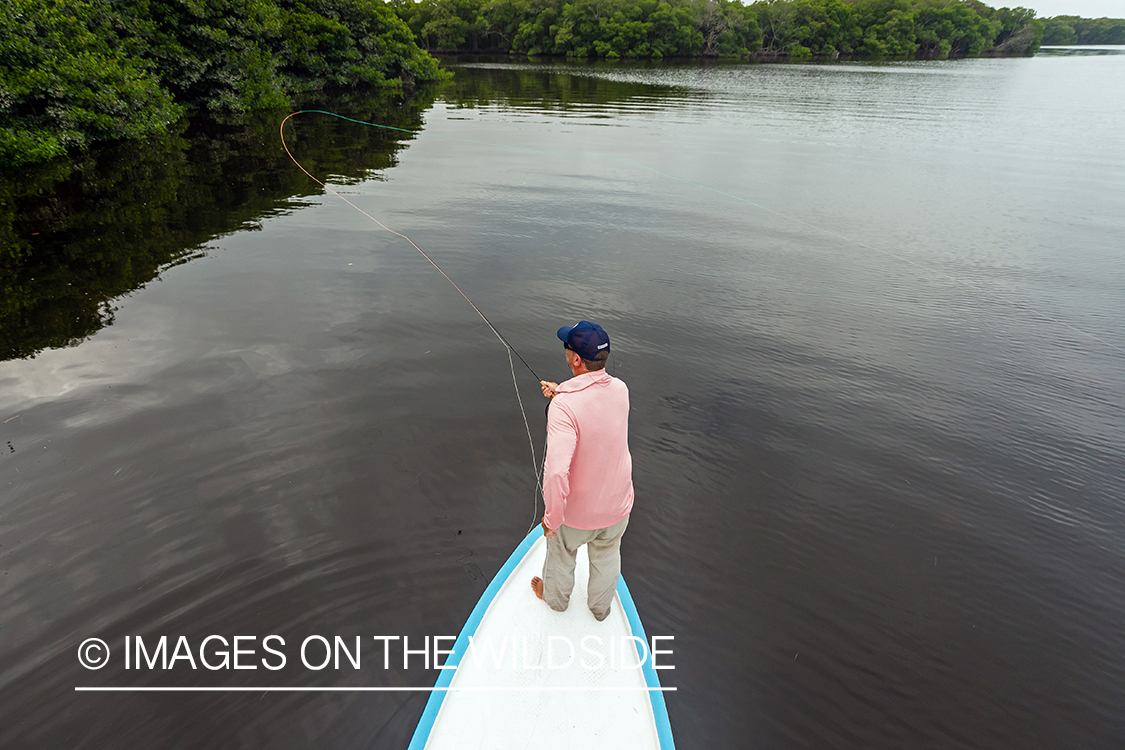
[870, 316]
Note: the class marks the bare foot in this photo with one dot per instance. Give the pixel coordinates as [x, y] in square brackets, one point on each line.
[537, 586]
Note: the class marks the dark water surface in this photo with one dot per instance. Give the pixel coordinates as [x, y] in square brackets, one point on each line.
[877, 372]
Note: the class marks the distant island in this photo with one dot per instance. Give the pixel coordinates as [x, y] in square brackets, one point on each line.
[77, 72]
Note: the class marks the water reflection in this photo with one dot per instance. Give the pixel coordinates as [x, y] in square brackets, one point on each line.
[1083, 49]
[81, 234]
[555, 86]
[897, 456]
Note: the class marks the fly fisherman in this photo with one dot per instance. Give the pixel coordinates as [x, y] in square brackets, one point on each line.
[588, 475]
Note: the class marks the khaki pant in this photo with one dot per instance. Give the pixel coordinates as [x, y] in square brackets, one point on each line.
[604, 549]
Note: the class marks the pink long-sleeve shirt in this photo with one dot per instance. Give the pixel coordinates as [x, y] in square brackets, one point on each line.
[588, 476]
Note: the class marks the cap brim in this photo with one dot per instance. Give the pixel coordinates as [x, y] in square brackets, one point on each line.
[564, 333]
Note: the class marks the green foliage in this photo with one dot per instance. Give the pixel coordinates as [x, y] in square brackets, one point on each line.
[234, 56]
[888, 28]
[1075, 30]
[777, 20]
[953, 28]
[73, 72]
[65, 83]
[584, 28]
[826, 28]
[726, 29]
[1060, 30]
[1020, 33]
[446, 25]
[794, 29]
[215, 53]
[348, 43]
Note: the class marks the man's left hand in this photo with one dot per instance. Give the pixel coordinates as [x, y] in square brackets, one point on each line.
[547, 531]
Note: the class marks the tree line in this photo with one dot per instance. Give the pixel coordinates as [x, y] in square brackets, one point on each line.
[724, 28]
[1075, 30]
[73, 72]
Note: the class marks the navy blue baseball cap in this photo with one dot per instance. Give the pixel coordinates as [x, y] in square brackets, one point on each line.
[586, 338]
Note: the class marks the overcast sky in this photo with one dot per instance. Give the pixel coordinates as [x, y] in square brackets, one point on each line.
[1084, 8]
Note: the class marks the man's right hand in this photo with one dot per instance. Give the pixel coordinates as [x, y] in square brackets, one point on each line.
[548, 388]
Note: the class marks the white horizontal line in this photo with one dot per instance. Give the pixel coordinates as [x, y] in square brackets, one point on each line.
[172, 689]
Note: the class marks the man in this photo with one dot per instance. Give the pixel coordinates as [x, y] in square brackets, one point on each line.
[588, 475]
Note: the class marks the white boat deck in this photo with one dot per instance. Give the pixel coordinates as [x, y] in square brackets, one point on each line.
[506, 692]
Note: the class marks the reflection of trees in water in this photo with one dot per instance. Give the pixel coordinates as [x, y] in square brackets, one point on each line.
[553, 86]
[75, 235]
[78, 234]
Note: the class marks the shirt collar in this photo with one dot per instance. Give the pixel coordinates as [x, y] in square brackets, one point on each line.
[579, 382]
